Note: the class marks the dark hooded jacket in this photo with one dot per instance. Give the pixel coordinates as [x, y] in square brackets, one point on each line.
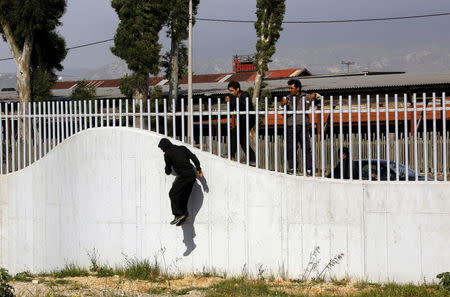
[177, 157]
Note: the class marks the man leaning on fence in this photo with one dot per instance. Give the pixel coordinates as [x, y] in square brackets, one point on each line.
[296, 94]
[235, 92]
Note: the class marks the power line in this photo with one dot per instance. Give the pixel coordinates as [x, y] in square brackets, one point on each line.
[75, 47]
[332, 21]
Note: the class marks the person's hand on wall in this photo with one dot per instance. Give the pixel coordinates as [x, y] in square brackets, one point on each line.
[284, 101]
[200, 173]
[227, 98]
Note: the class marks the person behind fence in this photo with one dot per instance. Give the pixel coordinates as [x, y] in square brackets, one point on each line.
[295, 93]
[235, 92]
[346, 168]
[178, 158]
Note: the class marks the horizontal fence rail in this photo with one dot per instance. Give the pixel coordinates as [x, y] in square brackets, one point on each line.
[384, 137]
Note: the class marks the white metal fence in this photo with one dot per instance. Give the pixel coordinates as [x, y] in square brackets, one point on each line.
[389, 137]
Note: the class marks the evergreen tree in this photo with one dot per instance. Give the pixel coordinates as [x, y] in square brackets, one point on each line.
[270, 14]
[136, 40]
[23, 24]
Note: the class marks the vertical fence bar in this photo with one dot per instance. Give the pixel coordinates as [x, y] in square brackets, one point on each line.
[90, 114]
[101, 114]
[276, 134]
[341, 140]
[266, 134]
[369, 138]
[416, 159]
[95, 114]
[113, 112]
[13, 139]
[58, 124]
[210, 126]
[182, 120]
[53, 125]
[120, 112]
[322, 136]
[149, 122]
[388, 142]
[174, 117]
[359, 140]
[247, 134]
[238, 134]
[294, 135]
[35, 132]
[331, 136]
[157, 114]
[228, 130]
[350, 136]
[200, 122]
[18, 139]
[31, 152]
[313, 136]
[67, 119]
[71, 117]
[80, 115]
[45, 127]
[257, 133]
[126, 112]
[304, 132]
[133, 109]
[165, 116]
[285, 165]
[435, 165]
[397, 153]
[6, 138]
[219, 129]
[85, 115]
[424, 136]
[379, 136]
[444, 135]
[1, 138]
[405, 123]
[40, 130]
[107, 112]
[141, 114]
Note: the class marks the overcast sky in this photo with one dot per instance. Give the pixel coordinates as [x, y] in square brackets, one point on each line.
[316, 46]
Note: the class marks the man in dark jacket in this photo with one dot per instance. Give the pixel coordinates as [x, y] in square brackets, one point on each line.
[178, 157]
[296, 94]
[235, 92]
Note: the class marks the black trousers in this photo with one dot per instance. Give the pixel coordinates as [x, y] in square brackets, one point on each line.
[299, 140]
[242, 141]
[180, 192]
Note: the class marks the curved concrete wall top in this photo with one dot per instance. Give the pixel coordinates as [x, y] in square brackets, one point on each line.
[105, 189]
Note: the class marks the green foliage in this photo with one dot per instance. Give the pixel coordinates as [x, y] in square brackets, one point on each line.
[130, 83]
[182, 62]
[5, 289]
[444, 280]
[240, 287]
[270, 14]
[136, 40]
[70, 270]
[41, 83]
[35, 21]
[141, 269]
[83, 92]
[25, 276]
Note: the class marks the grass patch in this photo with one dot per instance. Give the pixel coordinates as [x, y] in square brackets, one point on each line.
[105, 271]
[25, 277]
[243, 288]
[140, 269]
[70, 270]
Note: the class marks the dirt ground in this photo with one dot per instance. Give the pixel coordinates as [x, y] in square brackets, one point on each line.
[192, 286]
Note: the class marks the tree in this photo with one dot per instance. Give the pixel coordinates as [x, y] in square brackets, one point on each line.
[270, 14]
[177, 24]
[137, 41]
[83, 92]
[22, 23]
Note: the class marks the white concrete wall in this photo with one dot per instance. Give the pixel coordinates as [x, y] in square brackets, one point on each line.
[106, 189]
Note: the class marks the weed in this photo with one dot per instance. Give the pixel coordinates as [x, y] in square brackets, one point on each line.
[239, 287]
[105, 271]
[312, 264]
[94, 258]
[70, 270]
[444, 280]
[141, 269]
[333, 262]
[25, 276]
[340, 282]
[5, 289]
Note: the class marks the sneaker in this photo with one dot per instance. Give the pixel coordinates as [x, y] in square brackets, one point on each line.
[252, 163]
[309, 172]
[183, 220]
[176, 220]
[290, 171]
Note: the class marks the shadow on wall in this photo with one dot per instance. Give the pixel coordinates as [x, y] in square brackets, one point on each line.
[194, 205]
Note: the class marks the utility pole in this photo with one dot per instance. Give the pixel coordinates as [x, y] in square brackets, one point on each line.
[190, 99]
[348, 63]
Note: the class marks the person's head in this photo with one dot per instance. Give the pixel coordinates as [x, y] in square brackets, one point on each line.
[345, 152]
[295, 86]
[164, 144]
[234, 87]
